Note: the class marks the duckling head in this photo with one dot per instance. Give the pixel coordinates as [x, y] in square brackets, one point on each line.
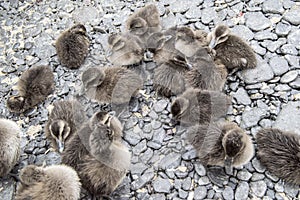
[60, 130]
[15, 103]
[179, 107]
[233, 144]
[92, 78]
[137, 26]
[78, 29]
[31, 174]
[218, 35]
[185, 34]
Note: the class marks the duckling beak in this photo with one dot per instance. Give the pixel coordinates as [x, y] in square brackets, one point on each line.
[61, 146]
[112, 113]
[228, 165]
[108, 53]
[212, 43]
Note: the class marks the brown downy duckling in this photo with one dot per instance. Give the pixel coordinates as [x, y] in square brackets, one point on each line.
[221, 144]
[279, 151]
[233, 51]
[64, 120]
[72, 46]
[98, 155]
[34, 86]
[165, 49]
[144, 22]
[9, 145]
[189, 41]
[196, 106]
[168, 78]
[114, 85]
[205, 73]
[56, 182]
[125, 49]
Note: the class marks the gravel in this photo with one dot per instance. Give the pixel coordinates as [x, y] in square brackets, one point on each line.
[163, 165]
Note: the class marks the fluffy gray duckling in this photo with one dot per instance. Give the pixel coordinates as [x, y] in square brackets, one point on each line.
[72, 46]
[169, 79]
[56, 182]
[196, 106]
[34, 86]
[205, 73]
[9, 145]
[144, 22]
[64, 120]
[98, 155]
[279, 151]
[189, 41]
[221, 144]
[115, 85]
[162, 46]
[125, 49]
[232, 50]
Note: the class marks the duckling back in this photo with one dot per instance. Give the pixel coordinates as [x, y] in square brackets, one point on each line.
[72, 46]
[236, 53]
[117, 86]
[34, 86]
[196, 106]
[57, 182]
[279, 151]
[205, 74]
[144, 22]
[125, 49]
[9, 145]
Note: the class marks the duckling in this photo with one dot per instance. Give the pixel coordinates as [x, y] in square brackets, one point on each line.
[189, 41]
[144, 22]
[205, 73]
[125, 49]
[56, 182]
[196, 106]
[64, 120]
[98, 155]
[72, 46]
[169, 77]
[165, 49]
[279, 151]
[9, 145]
[34, 86]
[233, 51]
[221, 144]
[114, 85]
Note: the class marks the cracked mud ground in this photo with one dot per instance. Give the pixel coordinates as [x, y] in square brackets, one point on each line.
[163, 166]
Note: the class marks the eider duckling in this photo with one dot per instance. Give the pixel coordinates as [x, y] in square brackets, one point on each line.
[196, 106]
[34, 86]
[189, 41]
[165, 49]
[72, 46]
[125, 49]
[279, 151]
[115, 85]
[205, 73]
[64, 120]
[98, 155]
[221, 144]
[144, 22]
[56, 182]
[233, 51]
[9, 145]
[168, 78]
